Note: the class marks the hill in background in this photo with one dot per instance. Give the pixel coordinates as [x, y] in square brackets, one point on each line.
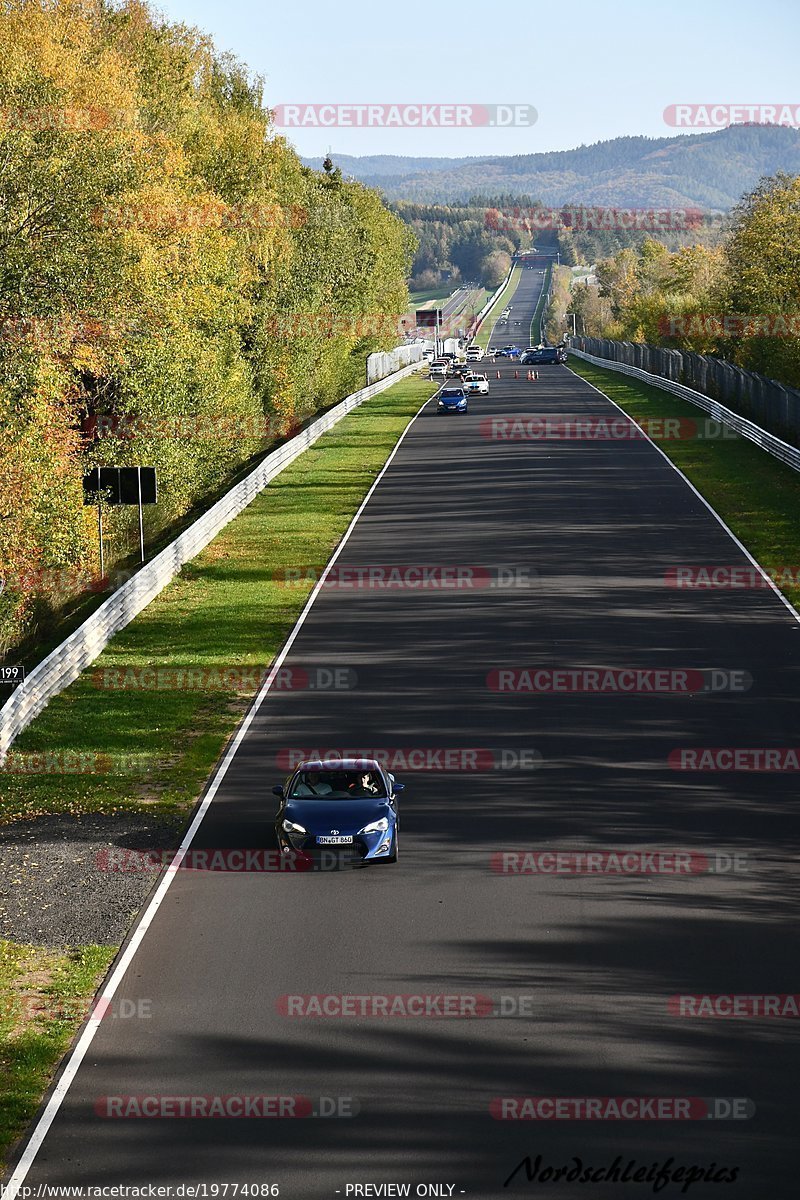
[708, 170]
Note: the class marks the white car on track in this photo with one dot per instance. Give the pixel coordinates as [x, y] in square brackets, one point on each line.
[475, 385]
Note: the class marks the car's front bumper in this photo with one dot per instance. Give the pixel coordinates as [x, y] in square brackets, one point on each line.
[365, 847]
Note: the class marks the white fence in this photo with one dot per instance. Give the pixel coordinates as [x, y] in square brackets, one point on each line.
[387, 362]
[718, 412]
[83, 646]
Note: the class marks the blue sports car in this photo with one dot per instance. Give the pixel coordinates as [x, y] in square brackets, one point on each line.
[350, 804]
[452, 399]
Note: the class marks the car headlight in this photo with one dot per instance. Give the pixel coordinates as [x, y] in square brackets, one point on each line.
[290, 827]
[376, 826]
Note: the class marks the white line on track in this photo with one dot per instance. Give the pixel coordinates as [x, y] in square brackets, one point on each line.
[700, 497]
[78, 1053]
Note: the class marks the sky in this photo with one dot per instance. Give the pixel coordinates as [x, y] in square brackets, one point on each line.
[591, 71]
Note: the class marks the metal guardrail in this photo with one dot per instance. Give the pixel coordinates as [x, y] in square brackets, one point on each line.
[764, 402]
[773, 445]
[63, 666]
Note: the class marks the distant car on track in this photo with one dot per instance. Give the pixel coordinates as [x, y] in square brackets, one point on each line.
[439, 369]
[349, 803]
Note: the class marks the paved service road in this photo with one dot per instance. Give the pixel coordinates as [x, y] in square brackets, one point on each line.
[585, 532]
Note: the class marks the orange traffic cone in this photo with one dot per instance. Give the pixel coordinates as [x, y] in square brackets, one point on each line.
[529, 376]
[516, 374]
[498, 374]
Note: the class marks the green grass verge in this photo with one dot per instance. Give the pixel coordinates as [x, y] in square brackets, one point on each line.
[757, 496]
[44, 997]
[502, 300]
[100, 748]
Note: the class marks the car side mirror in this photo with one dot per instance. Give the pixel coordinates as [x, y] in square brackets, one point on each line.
[278, 791]
[398, 788]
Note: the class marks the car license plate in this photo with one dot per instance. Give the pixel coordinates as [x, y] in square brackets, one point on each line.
[341, 840]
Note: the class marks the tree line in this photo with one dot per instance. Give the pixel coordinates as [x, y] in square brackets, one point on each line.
[176, 288]
[737, 298]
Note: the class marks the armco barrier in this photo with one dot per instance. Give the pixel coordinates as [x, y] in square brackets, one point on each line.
[779, 449]
[82, 647]
[764, 402]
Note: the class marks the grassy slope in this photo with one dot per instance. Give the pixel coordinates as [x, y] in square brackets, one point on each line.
[43, 999]
[758, 497]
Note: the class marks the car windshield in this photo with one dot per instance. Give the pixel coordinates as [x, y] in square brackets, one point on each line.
[452, 394]
[337, 785]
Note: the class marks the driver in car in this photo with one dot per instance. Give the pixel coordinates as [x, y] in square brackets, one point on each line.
[313, 785]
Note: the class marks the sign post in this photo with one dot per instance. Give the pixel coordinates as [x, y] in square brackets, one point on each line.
[120, 485]
[100, 535]
[429, 318]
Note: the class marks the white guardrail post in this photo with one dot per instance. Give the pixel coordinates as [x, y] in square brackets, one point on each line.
[63, 666]
[773, 445]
